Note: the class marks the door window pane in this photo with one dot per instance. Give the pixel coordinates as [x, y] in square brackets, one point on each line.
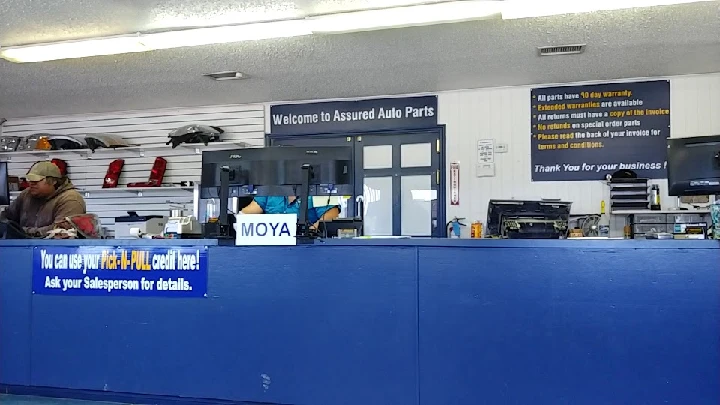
[378, 218]
[377, 157]
[416, 155]
[416, 205]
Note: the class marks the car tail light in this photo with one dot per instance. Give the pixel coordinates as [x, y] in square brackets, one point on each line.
[113, 173]
[156, 174]
[62, 165]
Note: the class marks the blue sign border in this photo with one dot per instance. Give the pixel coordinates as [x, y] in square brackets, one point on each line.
[123, 272]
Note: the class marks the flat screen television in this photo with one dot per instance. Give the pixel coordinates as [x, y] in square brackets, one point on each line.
[693, 166]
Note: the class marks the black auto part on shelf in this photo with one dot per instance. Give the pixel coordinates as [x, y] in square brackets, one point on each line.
[194, 133]
[64, 142]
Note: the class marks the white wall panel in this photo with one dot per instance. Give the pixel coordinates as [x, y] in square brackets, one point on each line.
[244, 125]
[503, 114]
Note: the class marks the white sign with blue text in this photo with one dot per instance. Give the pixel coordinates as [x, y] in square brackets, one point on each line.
[265, 229]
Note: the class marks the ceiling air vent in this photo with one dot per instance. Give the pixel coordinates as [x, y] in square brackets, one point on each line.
[561, 50]
[229, 75]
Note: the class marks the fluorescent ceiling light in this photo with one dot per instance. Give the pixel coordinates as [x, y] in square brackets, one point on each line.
[171, 18]
[226, 34]
[366, 20]
[438, 13]
[536, 8]
[397, 17]
[73, 49]
[149, 42]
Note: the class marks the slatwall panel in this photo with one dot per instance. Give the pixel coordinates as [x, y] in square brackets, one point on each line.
[503, 114]
[243, 126]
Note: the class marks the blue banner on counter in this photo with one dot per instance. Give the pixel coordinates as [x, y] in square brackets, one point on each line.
[118, 271]
[354, 116]
[587, 132]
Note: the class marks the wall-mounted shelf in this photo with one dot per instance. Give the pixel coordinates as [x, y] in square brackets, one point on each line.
[679, 212]
[139, 191]
[103, 153]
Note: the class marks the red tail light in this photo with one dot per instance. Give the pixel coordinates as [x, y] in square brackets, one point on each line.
[113, 173]
[156, 174]
[62, 165]
[158, 171]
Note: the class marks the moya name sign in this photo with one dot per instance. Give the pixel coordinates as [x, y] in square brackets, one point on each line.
[265, 229]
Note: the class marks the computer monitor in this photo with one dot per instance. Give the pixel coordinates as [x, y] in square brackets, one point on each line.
[4, 186]
[693, 166]
[276, 170]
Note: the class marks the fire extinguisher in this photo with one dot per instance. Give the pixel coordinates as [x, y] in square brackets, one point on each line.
[453, 227]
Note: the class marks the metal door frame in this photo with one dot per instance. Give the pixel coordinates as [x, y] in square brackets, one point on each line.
[438, 131]
[397, 172]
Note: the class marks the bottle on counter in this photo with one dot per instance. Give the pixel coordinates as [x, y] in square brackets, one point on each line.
[476, 230]
[603, 222]
[655, 197]
[212, 211]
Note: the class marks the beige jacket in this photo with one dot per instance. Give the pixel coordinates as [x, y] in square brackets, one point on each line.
[37, 215]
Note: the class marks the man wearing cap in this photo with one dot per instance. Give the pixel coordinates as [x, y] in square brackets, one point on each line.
[50, 198]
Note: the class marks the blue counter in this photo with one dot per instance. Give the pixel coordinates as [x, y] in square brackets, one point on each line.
[396, 322]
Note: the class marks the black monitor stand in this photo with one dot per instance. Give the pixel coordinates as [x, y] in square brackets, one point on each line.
[224, 196]
[304, 234]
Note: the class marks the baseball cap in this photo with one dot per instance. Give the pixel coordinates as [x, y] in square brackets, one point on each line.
[41, 170]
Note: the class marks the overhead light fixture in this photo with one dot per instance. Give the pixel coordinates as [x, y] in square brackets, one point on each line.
[226, 34]
[407, 16]
[513, 9]
[154, 41]
[366, 20]
[393, 17]
[73, 49]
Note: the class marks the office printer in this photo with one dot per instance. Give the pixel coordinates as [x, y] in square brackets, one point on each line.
[517, 219]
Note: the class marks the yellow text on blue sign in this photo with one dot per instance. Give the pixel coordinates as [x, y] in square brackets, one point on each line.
[142, 260]
[122, 259]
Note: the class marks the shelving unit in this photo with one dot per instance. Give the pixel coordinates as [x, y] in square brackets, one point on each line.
[104, 153]
[644, 221]
[135, 190]
[636, 212]
[629, 194]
